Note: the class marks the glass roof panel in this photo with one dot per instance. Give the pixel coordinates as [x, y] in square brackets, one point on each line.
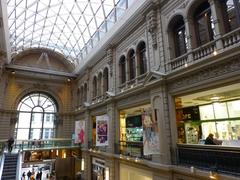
[70, 27]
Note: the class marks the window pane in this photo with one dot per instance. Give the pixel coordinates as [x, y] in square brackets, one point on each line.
[35, 134]
[48, 121]
[24, 120]
[37, 120]
[22, 134]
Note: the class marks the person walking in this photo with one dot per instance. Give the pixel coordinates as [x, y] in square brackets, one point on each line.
[29, 174]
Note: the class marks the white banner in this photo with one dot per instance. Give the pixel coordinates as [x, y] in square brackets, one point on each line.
[150, 133]
[79, 131]
[102, 130]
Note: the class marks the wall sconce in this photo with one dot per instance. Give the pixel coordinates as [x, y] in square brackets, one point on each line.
[64, 155]
[82, 164]
[107, 173]
[57, 152]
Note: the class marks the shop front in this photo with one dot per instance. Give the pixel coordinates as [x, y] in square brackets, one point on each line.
[99, 169]
[198, 115]
[216, 111]
[139, 132]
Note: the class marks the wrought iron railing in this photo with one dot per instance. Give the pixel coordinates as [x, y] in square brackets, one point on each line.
[211, 157]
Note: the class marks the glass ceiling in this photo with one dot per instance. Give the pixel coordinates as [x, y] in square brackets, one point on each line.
[70, 27]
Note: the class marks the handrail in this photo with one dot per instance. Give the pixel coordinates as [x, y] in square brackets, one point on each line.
[1, 164]
[19, 167]
[42, 143]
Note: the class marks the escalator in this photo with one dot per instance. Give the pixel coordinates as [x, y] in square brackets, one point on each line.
[10, 167]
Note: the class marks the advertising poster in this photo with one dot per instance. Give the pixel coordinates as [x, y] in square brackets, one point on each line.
[79, 131]
[150, 133]
[102, 130]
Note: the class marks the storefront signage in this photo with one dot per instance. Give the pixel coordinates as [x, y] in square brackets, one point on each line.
[98, 162]
[190, 113]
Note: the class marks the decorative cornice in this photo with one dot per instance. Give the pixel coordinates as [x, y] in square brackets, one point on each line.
[206, 74]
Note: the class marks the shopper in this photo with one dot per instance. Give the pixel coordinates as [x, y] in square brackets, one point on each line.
[10, 144]
[210, 140]
[23, 176]
[29, 174]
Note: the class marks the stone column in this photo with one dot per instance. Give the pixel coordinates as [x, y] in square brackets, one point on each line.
[159, 102]
[218, 22]
[112, 130]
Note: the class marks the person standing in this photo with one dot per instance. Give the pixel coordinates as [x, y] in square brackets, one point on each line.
[10, 144]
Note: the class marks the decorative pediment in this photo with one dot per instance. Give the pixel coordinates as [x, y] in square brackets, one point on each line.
[153, 76]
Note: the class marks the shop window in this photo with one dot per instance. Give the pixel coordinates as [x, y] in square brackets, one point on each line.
[204, 23]
[131, 64]
[142, 58]
[105, 80]
[231, 10]
[221, 118]
[37, 112]
[122, 67]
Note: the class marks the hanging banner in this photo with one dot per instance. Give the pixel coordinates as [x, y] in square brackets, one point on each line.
[150, 133]
[102, 130]
[79, 131]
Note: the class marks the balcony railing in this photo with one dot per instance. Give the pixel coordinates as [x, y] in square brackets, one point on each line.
[23, 145]
[230, 39]
[132, 149]
[211, 157]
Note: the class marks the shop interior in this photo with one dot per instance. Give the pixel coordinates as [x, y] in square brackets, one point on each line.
[131, 130]
[215, 111]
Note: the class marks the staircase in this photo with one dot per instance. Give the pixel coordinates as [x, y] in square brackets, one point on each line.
[10, 167]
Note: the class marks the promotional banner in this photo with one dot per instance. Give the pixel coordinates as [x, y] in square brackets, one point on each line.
[79, 131]
[102, 130]
[150, 133]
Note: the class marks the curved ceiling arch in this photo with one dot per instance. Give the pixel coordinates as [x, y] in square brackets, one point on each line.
[70, 27]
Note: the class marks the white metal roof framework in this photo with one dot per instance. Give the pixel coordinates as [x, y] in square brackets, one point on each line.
[70, 27]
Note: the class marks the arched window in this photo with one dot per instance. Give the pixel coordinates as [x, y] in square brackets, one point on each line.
[231, 14]
[177, 36]
[85, 93]
[99, 89]
[94, 90]
[105, 80]
[122, 67]
[78, 97]
[81, 95]
[132, 64]
[142, 58]
[37, 114]
[204, 23]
